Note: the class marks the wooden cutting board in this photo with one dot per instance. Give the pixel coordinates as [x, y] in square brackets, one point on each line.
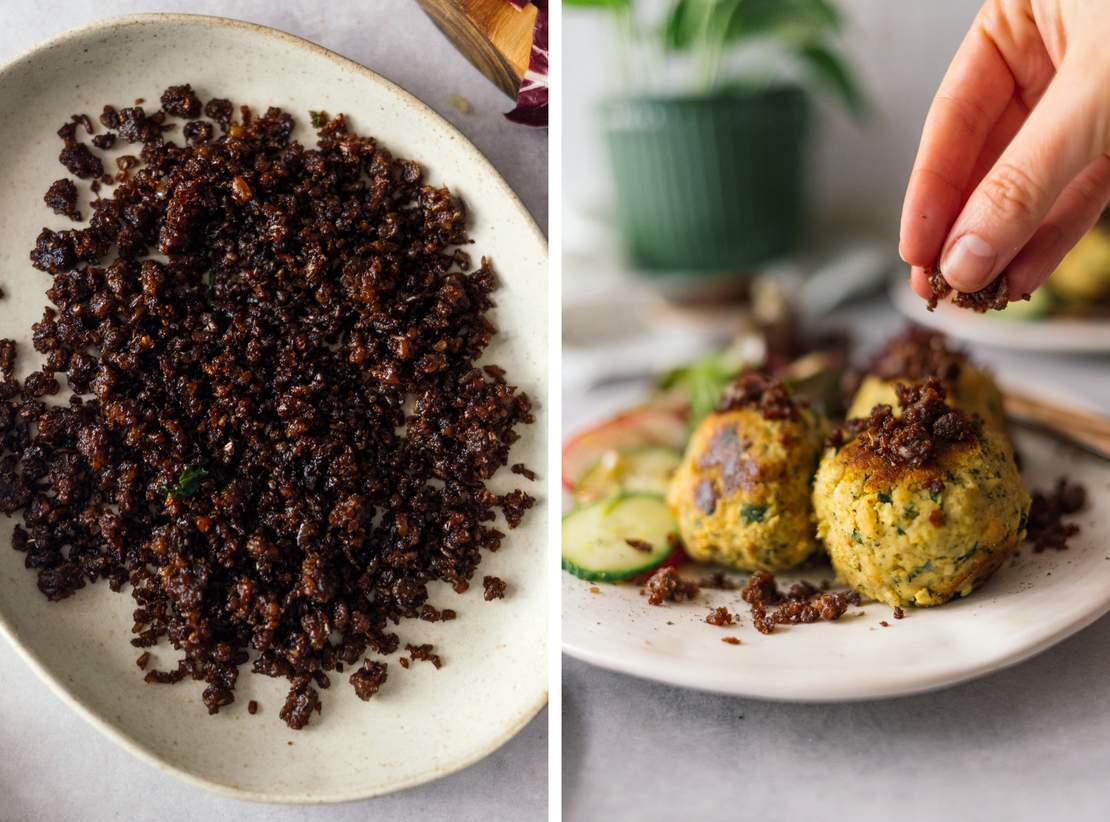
[493, 35]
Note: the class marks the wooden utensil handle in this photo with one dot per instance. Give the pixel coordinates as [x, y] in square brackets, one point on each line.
[1092, 431]
[493, 35]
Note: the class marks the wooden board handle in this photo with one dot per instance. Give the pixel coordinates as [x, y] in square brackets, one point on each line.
[495, 37]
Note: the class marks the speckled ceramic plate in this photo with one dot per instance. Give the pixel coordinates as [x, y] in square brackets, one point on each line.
[1061, 334]
[425, 723]
[1024, 609]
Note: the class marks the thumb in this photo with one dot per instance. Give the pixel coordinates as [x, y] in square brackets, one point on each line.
[1061, 136]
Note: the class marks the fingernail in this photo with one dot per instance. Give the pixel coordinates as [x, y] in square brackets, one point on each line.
[969, 263]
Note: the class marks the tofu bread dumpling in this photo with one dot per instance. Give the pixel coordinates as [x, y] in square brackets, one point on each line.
[742, 493]
[918, 508]
[917, 355]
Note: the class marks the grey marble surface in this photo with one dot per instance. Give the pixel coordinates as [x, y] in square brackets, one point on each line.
[1027, 743]
[53, 766]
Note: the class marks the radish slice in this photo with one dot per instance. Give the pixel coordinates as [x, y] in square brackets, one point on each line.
[643, 425]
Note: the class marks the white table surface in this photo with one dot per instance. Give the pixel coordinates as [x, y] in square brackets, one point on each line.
[1028, 743]
[53, 766]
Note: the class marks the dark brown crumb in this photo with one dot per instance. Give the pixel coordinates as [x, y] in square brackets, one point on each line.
[527, 473]
[719, 581]
[731, 640]
[80, 162]
[104, 141]
[639, 545]
[369, 679]
[181, 101]
[993, 295]
[61, 198]
[424, 653]
[1045, 528]
[252, 707]
[917, 354]
[302, 700]
[899, 613]
[884, 623]
[513, 505]
[7, 358]
[279, 434]
[405, 662]
[221, 111]
[936, 518]
[754, 389]
[666, 584]
[720, 617]
[197, 132]
[430, 613]
[494, 588]
[143, 659]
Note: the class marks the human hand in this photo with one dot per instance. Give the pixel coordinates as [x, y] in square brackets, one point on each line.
[1014, 162]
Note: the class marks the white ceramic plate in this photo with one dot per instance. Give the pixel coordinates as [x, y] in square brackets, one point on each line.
[425, 723]
[1022, 610]
[1047, 335]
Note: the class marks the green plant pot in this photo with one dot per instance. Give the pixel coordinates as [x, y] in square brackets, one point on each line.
[708, 184]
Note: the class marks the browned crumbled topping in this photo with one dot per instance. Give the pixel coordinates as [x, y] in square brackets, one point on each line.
[513, 505]
[143, 659]
[181, 101]
[238, 448]
[720, 617]
[221, 111]
[494, 588]
[7, 360]
[927, 425]
[731, 640]
[916, 355]
[429, 613]
[61, 198]
[936, 518]
[104, 141]
[666, 584]
[197, 132]
[369, 679]
[639, 545]
[424, 653]
[302, 700]
[884, 623]
[252, 707]
[718, 580]
[804, 603]
[993, 295]
[754, 389]
[524, 471]
[899, 613]
[405, 662]
[80, 162]
[1045, 528]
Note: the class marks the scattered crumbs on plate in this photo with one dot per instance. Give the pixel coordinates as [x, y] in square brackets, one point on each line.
[459, 103]
[594, 589]
[731, 640]
[671, 623]
[884, 623]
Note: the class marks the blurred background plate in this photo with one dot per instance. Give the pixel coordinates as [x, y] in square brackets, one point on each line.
[1047, 334]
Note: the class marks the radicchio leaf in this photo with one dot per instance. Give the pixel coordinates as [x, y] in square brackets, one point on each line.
[531, 99]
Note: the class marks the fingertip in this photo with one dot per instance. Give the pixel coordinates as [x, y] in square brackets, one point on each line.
[919, 282]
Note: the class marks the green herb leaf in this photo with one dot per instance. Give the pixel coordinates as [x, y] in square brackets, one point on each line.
[752, 513]
[857, 536]
[885, 497]
[319, 119]
[187, 484]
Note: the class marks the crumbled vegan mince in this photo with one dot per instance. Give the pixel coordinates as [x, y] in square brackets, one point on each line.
[307, 297]
[996, 294]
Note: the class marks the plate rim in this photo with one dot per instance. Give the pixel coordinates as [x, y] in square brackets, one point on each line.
[473, 155]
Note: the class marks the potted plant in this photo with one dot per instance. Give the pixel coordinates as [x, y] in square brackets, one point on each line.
[707, 135]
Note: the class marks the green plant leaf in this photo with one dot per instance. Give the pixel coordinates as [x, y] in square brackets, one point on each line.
[833, 73]
[788, 21]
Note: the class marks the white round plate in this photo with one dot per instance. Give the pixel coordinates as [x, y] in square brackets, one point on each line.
[425, 723]
[1025, 608]
[1047, 335]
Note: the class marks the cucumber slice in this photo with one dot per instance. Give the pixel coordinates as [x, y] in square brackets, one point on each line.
[595, 536]
[641, 468]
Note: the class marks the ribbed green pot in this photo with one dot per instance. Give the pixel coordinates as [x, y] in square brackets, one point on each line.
[708, 184]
